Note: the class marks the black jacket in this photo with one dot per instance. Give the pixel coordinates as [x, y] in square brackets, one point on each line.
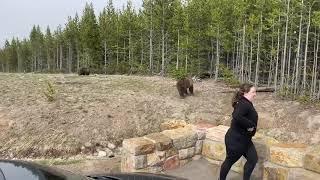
[244, 116]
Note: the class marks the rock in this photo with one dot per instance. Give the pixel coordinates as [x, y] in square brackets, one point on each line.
[109, 152]
[217, 133]
[289, 155]
[161, 154]
[214, 150]
[172, 124]
[171, 163]
[130, 163]
[186, 153]
[102, 154]
[138, 146]
[262, 148]
[103, 143]
[88, 145]
[298, 173]
[198, 148]
[154, 160]
[312, 159]
[201, 129]
[275, 172]
[269, 141]
[161, 141]
[172, 152]
[182, 138]
[111, 146]
[238, 166]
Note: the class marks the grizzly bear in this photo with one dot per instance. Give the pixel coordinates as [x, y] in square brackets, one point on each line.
[84, 71]
[183, 85]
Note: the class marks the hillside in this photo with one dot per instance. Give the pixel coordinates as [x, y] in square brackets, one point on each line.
[88, 112]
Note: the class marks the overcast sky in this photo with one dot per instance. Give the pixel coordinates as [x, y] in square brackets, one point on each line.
[18, 16]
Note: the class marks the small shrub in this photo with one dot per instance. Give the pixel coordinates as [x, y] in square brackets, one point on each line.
[50, 92]
[228, 75]
[178, 73]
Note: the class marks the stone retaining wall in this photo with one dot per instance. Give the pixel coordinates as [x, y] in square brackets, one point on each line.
[174, 148]
[156, 152]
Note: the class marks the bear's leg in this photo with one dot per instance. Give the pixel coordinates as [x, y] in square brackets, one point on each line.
[191, 90]
[181, 92]
[186, 91]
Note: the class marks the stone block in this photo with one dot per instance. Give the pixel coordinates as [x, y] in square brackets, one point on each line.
[299, 173]
[172, 152]
[129, 162]
[198, 147]
[214, 150]
[160, 141]
[186, 153]
[217, 133]
[154, 160]
[138, 146]
[171, 163]
[288, 155]
[182, 138]
[172, 124]
[312, 159]
[275, 172]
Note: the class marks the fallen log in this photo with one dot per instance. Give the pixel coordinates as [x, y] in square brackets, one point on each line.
[259, 89]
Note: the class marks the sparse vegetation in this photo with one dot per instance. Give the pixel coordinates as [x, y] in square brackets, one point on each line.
[50, 92]
[228, 76]
[178, 73]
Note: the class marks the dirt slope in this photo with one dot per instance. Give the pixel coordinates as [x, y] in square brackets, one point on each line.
[100, 109]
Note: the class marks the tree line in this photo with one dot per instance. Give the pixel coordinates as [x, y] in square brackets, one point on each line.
[266, 42]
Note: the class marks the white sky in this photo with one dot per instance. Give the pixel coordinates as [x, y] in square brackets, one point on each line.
[17, 17]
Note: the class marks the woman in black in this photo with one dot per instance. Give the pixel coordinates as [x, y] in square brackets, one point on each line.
[243, 127]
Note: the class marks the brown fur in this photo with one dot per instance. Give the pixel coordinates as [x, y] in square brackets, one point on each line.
[183, 85]
[84, 71]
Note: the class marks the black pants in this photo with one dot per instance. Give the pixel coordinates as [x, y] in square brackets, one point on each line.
[233, 156]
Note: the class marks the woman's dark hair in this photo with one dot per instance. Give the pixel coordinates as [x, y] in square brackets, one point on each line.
[244, 88]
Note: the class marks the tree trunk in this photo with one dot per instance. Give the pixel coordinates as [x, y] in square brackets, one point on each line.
[315, 70]
[277, 60]
[256, 80]
[48, 60]
[306, 55]
[70, 59]
[186, 59]
[242, 56]
[117, 55]
[288, 70]
[162, 53]
[105, 56]
[78, 58]
[250, 62]
[285, 47]
[61, 55]
[129, 47]
[57, 60]
[212, 56]
[178, 51]
[271, 57]
[297, 79]
[218, 56]
[142, 51]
